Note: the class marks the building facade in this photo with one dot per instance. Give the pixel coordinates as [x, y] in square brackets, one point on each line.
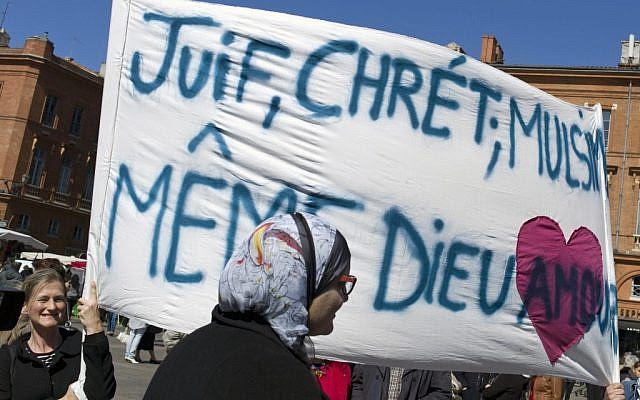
[617, 89]
[49, 117]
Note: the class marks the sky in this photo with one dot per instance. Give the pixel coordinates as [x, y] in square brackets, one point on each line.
[537, 32]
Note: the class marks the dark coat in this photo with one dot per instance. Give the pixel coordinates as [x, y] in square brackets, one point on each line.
[236, 356]
[9, 274]
[32, 380]
[472, 383]
[370, 382]
[505, 387]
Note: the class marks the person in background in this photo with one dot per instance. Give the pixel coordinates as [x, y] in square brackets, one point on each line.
[568, 388]
[630, 381]
[504, 387]
[52, 263]
[369, 382]
[10, 250]
[11, 303]
[628, 370]
[26, 271]
[45, 362]
[334, 378]
[9, 275]
[147, 343]
[171, 338]
[285, 282]
[636, 370]
[136, 331]
[471, 384]
[112, 322]
[73, 292]
[546, 388]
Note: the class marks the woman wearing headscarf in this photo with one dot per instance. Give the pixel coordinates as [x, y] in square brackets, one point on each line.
[283, 283]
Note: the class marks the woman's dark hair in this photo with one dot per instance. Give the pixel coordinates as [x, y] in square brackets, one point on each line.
[26, 272]
[52, 263]
[636, 365]
[338, 262]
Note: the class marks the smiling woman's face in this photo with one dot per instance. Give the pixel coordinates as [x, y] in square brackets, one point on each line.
[47, 306]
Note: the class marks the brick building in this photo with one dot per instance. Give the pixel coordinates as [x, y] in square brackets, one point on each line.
[617, 89]
[49, 117]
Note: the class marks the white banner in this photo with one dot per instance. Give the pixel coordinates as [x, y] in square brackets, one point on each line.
[475, 205]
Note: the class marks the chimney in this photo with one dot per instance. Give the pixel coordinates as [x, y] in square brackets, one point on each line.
[630, 52]
[4, 38]
[491, 50]
[39, 46]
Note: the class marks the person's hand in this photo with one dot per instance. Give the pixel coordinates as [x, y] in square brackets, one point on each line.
[69, 395]
[88, 311]
[614, 391]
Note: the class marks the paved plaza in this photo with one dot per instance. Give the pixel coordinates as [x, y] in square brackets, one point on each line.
[133, 379]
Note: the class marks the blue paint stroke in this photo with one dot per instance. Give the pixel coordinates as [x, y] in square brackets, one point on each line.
[210, 129]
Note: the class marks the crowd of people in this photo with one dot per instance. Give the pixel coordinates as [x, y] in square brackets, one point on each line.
[283, 284]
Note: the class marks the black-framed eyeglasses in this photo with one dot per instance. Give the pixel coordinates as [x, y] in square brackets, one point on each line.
[348, 283]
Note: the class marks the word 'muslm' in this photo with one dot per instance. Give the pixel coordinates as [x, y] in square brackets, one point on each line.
[565, 150]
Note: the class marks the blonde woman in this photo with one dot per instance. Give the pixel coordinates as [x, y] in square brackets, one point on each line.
[45, 362]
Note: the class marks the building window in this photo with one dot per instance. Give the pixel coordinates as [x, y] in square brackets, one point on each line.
[635, 287]
[36, 168]
[77, 233]
[606, 122]
[638, 217]
[65, 175]
[54, 227]
[76, 120]
[88, 186]
[24, 221]
[49, 113]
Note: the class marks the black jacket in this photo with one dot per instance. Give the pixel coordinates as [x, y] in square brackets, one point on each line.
[32, 380]
[369, 382]
[236, 356]
[505, 387]
[472, 383]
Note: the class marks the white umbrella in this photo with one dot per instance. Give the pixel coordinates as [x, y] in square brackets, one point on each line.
[29, 241]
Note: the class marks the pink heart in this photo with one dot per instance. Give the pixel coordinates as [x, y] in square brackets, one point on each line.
[560, 283]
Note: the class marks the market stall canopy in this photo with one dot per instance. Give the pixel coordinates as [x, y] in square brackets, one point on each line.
[67, 260]
[30, 241]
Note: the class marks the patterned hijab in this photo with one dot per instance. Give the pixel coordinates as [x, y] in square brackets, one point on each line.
[266, 273]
